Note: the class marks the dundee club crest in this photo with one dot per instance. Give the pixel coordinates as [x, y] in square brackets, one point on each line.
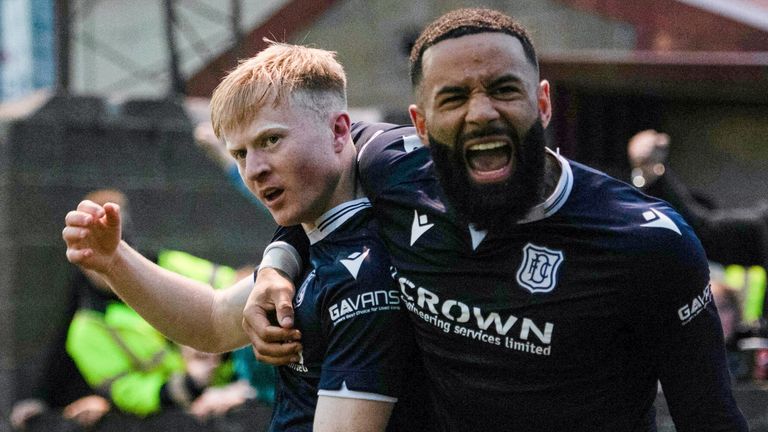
[538, 271]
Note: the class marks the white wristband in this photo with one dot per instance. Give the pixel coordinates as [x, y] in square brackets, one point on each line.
[282, 256]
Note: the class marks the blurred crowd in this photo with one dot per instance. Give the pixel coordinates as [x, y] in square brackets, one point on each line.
[107, 360]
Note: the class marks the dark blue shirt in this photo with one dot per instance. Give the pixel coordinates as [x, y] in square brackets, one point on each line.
[564, 321]
[356, 341]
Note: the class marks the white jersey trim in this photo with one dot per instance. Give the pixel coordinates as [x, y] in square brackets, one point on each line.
[562, 191]
[365, 146]
[335, 217]
[344, 392]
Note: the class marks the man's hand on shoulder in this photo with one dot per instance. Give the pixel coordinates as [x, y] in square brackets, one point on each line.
[272, 294]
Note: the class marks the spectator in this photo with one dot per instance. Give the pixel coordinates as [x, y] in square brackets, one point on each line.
[60, 388]
[729, 236]
[260, 377]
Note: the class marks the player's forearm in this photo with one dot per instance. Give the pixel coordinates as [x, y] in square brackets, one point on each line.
[183, 309]
[227, 316]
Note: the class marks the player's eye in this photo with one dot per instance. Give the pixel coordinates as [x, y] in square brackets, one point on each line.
[505, 92]
[238, 154]
[272, 140]
[452, 100]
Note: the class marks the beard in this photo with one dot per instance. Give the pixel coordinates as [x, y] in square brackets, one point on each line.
[490, 206]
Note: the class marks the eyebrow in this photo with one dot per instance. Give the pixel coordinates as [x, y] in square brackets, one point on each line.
[451, 90]
[267, 130]
[505, 79]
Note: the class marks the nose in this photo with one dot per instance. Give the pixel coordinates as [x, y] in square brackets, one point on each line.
[257, 166]
[481, 109]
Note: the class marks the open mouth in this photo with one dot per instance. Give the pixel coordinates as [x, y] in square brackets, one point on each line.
[489, 161]
[272, 194]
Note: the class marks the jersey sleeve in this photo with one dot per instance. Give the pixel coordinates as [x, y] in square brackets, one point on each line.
[387, 156]
[296, 237]
[678, 323]
[368, 336]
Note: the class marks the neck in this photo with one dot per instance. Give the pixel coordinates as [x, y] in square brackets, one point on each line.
[346, 189]
[552, 173]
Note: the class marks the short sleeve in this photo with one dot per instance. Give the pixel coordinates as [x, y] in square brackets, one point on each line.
[388, 155]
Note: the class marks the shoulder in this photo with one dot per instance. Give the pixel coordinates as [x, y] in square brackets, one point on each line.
[382, 136]
[389, 155]
[666, 258]
[358, 260]
[645, 229]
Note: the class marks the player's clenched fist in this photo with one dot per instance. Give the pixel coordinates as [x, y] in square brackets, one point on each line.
[92, 234]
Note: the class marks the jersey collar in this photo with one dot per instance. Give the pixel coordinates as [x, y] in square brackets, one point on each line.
[335, 217]
[560, 195]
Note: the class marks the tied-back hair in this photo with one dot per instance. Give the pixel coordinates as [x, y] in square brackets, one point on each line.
[280, 73]
[463, 22]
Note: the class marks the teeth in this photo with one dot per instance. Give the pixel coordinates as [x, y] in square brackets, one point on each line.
[487, 146]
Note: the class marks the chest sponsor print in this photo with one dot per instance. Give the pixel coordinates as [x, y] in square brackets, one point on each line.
[484, 326]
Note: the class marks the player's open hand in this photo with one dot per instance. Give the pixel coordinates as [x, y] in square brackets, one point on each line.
[272, 344]
[92, 234]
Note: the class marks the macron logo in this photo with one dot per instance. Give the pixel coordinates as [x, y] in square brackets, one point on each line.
[354, 261]
[477, 236]
[657, 219]
[420, 226]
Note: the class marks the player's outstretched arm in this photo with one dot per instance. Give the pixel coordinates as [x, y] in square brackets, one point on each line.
[272, 344]
[186, 311]
[351, 415]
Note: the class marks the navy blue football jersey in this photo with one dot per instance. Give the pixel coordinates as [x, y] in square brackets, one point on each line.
[356, 341]
[565, 321]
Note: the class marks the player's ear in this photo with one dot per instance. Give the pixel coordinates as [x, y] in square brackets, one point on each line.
[419, 122]
[545, 103]
[341, 127]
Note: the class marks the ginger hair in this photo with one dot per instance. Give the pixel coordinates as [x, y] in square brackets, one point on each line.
[281, 73]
